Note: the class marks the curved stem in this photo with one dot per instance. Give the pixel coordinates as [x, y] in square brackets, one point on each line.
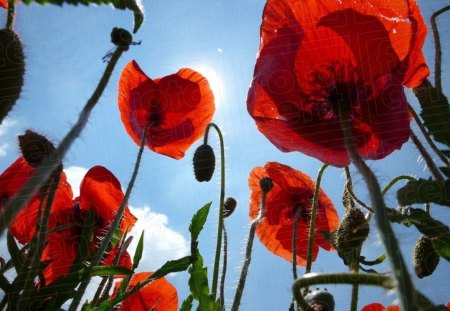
[395, 180]
[350, 190]
[222, 199]
[437, 44]
[427, 136]
[224, 268]
[114, 225]
[338, 278]
[43, 172]
[404, 285]
[428, 160]
[312, 223]
[11, 14]
[248, 255]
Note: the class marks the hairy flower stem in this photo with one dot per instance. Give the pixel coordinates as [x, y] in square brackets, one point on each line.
[114, 225]
[222, 199]
[248, 255]
[11, 14]
[354, 268]
[53, 161]
[404, 285]
[298, 212]
[224, 268]
[428, 160]
[38, 246]
[437, 45]
[353, 195]
[428, 138]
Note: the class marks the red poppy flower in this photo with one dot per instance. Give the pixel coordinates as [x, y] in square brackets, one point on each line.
[158, 295]
[319, 57]
[4, 4]
[292, 190]
[379, 307]
[178, 108]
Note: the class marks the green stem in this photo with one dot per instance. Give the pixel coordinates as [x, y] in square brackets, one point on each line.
[44, 170]
[224, 268]
[11, 14]
[248, 255]
[312, 223]
[395, 180]
[404, 285]
[107, 238]
[222, 199]
[427, 136]
[350, 190]
[38, 246]
[338, 278]
[294, 241]
[437, 44]
[428, 160]
[354, 267]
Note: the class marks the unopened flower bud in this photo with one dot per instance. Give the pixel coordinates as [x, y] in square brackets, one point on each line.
[229, 206]
[35, 147]
[204, 163]
[121, 37]
[12, 69]
[425, 257]
[266, 184]
[352, 231]
[320, 300]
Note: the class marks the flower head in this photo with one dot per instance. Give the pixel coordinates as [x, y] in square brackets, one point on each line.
[379, 307]
[177, 108]
[318, 58]
[292, 193]
[158, 295]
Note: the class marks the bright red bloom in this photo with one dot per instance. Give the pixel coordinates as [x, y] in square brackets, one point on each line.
[379, 307]
[178, 107]
[292, 190]
[158, 295]
[317, 57]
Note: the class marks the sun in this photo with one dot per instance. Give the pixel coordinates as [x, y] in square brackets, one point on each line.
[215, 81]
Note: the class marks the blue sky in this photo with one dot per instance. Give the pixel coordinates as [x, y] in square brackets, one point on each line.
[64, 47]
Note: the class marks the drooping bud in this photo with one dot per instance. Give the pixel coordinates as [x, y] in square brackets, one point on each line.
[204, 163]
[12, 69]
[121, 37]
[35, 147]
[352, 231]
[425, 257]
[320, 300]
[266, 184]
[229, 206]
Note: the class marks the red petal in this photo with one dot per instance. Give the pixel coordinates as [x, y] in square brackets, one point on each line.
[373, 307]
[159, 295]
[124, 260]
[4, 4]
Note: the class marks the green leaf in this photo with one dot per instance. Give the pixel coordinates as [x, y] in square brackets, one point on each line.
[118, 4]
[138, 255]
[424, 191]
[196, 226]
[198, 284]
[435, 111]
[442, 247]
[427, 225]
[187, 304]
[14, 251]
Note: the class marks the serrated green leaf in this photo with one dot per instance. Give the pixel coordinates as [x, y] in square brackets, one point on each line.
[197, 223]
[442, 247]
[187, 303]
[435, 111]
[139, 250]
[427, 225]
[14, 252]
[198, 284]
[118, 4]
[424, 191]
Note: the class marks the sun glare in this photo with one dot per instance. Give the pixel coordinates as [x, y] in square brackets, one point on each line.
[215, 81]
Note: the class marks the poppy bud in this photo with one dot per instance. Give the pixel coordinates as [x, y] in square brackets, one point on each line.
[204, 163]
[35, 147]
[266, 184]
[121, 37]
[425, 257]
[12, 69]
[352, 231]
[229, 206]
[320, 300]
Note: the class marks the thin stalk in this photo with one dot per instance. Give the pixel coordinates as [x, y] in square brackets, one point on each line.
[53, 161]
[395, 180]
[107, 238]
[224, 268]
[404, 285]
[248, 255]
[38, 247]
[354, 268]
[11, 14]
[312, 223]
[222, 199]
[427, 136]
[438, 49]
[428, 160]
[350, 190]
[294, 241]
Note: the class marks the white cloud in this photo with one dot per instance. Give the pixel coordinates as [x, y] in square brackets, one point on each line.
[6, 124]
[75, 175]
[3, 148]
